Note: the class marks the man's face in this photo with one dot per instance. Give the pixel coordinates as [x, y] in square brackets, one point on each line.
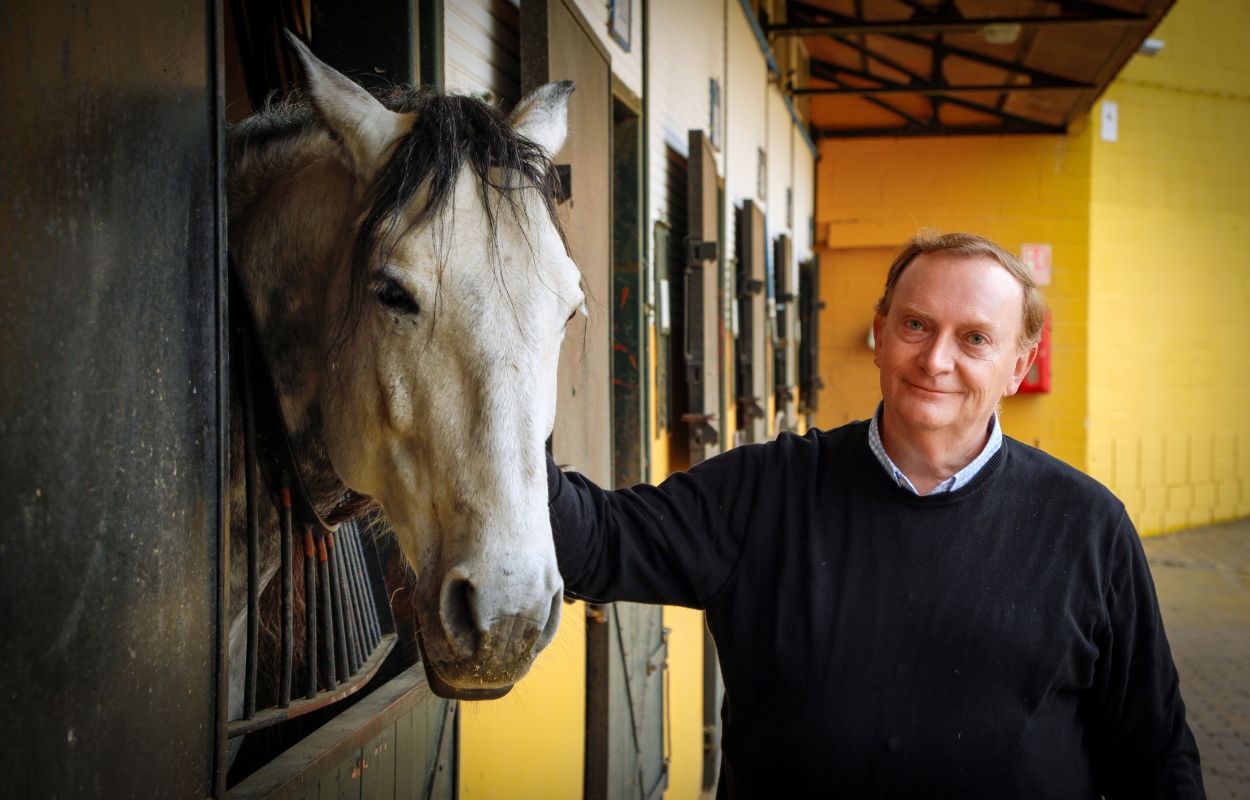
[948, 348]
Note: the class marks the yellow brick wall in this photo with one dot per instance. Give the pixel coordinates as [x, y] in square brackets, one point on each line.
[1169, 313]
[873, 194]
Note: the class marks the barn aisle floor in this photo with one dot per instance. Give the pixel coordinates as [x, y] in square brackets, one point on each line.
[1203, 580]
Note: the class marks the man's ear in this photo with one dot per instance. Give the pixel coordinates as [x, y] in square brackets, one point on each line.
[366, 128]
[542, 116]
[1024, 360]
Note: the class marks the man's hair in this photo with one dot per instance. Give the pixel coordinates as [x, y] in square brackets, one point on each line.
[1033, 314]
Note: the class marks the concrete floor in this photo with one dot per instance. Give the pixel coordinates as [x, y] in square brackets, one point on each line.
[1203, 580]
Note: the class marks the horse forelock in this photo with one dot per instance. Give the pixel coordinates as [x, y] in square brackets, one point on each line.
[418, 181]
[417, 185]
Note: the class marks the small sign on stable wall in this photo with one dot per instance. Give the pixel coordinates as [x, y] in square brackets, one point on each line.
[1037, 258]
[1109, 121]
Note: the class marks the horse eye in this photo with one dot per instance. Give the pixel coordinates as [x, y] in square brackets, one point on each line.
[396, 298]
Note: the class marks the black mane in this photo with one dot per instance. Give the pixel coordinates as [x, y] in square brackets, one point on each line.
[450, 131]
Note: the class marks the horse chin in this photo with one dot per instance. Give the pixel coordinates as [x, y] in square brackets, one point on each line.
[445, 690]
[466, 679]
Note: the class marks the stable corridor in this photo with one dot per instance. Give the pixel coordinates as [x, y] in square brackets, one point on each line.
[1203, 580]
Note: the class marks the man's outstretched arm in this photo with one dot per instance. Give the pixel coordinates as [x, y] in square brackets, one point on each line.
[676, 543]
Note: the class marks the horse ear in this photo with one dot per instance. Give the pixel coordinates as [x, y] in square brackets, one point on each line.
[542, 116]
[366, 127]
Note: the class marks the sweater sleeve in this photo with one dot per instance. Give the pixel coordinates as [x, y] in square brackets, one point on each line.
[1143, 748]
[676, 543]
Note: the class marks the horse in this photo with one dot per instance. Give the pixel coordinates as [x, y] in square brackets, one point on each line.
[402, 257]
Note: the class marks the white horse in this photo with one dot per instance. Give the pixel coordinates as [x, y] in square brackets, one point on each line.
[412, 286]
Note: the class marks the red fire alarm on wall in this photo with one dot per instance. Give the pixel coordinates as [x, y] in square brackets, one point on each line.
[1037, 381]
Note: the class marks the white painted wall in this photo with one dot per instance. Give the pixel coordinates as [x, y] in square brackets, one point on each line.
[482, 55]
[481, 49]
[626, 64]
[780, 164]
[687, 49]
[804, 194]
[746, 116]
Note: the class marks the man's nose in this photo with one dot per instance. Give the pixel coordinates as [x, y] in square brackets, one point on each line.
[939, 356]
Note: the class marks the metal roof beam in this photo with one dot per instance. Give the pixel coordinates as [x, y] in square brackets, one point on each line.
[951, 50]
[933, 89]
[828, 71]
[930, 25]
[898, 112]
[948, 130]
[989, 61]
[821, 68]
[1092, 7]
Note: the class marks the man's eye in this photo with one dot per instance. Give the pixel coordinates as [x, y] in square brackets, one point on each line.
[977, 339]
[394, 297]
[913, 325]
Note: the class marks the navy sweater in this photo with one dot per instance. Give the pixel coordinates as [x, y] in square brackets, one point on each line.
[1002, 640]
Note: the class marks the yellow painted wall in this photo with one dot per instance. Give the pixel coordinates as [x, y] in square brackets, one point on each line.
[531, 743]
[685, 697]
[1169, 391]
[685, 653]
[685, 656]
[873, 194]
[850, 283]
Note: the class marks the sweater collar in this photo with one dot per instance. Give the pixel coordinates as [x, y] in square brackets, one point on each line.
[954, 482]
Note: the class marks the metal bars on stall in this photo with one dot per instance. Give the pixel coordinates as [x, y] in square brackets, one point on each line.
[344, 638]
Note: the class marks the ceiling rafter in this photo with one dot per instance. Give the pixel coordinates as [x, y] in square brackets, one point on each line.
[1087, 7]
[946, 130]
[1025, 46]
[832, 78]
[821, 68]
[1056, 81]
[918, 85]
[916, 55]
[991, 61]
[944, 26]
[947, 20]
[859, 13]
[910, 118]
[930, 90]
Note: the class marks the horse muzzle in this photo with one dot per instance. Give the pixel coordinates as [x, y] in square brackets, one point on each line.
[481, 644]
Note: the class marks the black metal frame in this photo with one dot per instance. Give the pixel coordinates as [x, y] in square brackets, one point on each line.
[810, 308]
[749, 406]
[783, 327]
[926, 28]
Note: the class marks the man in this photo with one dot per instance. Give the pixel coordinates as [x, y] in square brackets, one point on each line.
[916, 605]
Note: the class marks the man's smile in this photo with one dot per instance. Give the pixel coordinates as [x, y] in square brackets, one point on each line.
[927, 390]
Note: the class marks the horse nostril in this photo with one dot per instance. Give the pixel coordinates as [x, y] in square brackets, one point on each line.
[458, 612]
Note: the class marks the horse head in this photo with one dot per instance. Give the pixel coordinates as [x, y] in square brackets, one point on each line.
[417, 232]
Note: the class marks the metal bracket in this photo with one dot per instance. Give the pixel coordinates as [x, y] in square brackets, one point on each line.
[701, 431]
[703, 251]
[752, 407]
[750, 287]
